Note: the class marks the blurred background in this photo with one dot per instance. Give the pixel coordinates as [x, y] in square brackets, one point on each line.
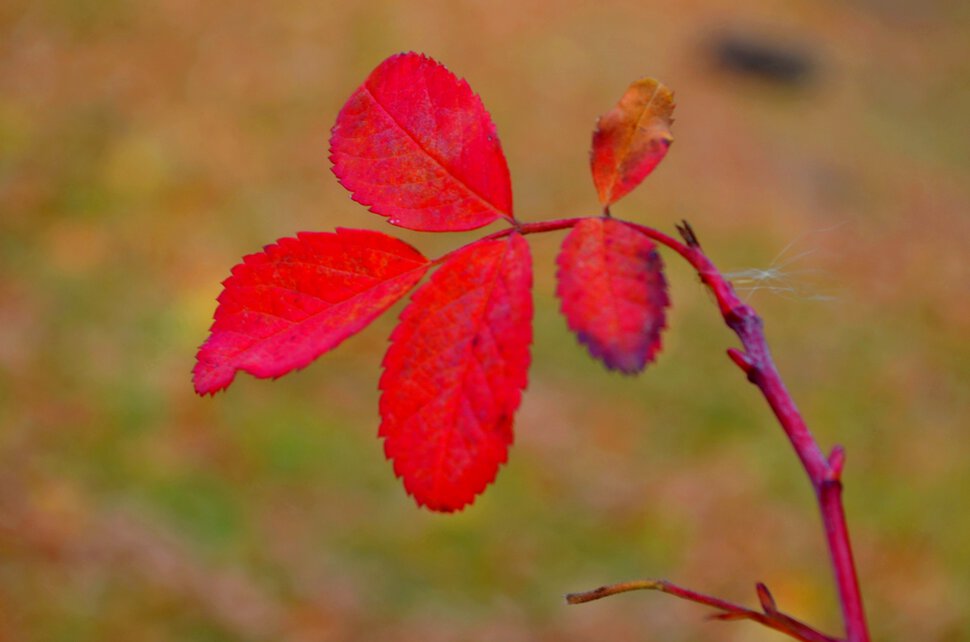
[822, 154]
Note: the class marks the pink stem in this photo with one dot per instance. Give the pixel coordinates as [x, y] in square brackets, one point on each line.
[756, 362]
[824, 474]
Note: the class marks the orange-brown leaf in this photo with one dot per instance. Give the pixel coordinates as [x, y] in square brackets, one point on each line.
[631, 139]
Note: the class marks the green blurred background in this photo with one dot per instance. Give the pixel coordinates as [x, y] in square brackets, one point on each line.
[145, 146]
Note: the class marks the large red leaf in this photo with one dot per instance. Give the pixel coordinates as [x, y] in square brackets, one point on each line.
[284, 307]
[613, 292]
[415, 144]
[455, 371]
[631, 139]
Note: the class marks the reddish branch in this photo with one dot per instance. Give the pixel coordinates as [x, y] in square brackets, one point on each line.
[771, 617]
[824, 472]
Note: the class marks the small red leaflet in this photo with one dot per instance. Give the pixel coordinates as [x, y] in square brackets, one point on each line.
[454, 374]
[613, 292]
[415, 144]
[284, 307]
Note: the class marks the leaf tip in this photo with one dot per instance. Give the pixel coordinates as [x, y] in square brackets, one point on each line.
[209, 378]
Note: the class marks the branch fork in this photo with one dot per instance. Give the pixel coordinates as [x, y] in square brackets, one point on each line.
[769, 616]
[824, 473]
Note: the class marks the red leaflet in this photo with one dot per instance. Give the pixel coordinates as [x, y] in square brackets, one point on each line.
[631, 139]
[416, 144]
[284, 307]
[454, 373]
[613, 292]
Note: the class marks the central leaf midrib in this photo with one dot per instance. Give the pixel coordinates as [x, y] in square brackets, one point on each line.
[456, 404]
[314, 316]
[632, 132]
[438, 161]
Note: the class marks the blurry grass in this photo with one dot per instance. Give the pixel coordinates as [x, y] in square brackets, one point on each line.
[144, 149]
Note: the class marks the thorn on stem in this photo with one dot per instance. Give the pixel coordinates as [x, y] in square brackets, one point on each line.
[687, 233]
[766, 598]
[741, 360]
[836, 464]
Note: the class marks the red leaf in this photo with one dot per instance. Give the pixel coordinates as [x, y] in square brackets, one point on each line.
[454, 374]
[613, 292]
[631, 139]
[414, 143]
[284, 307]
